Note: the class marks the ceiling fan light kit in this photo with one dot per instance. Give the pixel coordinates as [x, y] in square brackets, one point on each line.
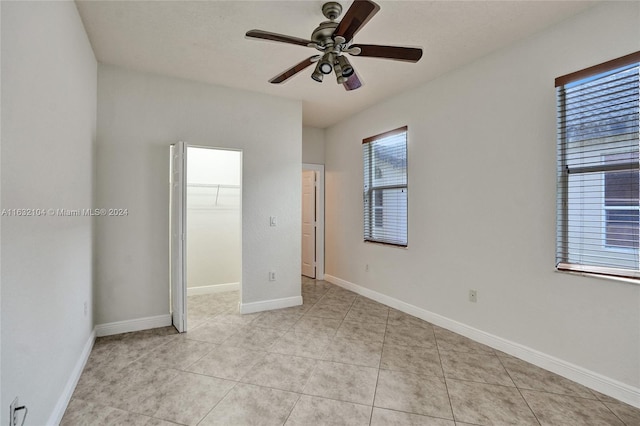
[326, 63]
[317, 74]
[333, 39]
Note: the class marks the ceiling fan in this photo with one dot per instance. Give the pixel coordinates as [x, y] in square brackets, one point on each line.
[333, 39]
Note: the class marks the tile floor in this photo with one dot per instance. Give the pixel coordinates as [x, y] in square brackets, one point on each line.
[340, 359]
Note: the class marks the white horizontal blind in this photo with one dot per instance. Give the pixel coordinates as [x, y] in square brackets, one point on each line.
[598, 171]
[385, 187]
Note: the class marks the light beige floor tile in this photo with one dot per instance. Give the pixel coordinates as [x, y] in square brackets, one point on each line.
[363, 302]
[366, 315]
[277, 320]
[310, 299]
[159, 422]
[118, 351]
[213, 332]
[312, 410]
[320, 285]
[356, 352]
[178, 354]
[227, 362]
[343, 382]
[475, 367]
[450, 341]
[409, 335]
[101, 368]
[338, 298]
[252, 405]
[138, 340]
[81, 412]
[283, 372]
[235, 317]
[528, 376]
[369, 331]
[337, 311]
[189, 397]
[412, 393]
[317, 326]
[628, 414]
[411, 359]
[300, 309]
[400, 318]
[254, 338]
[301, 344]
[383, 417]
[480, 403]
[194, 322]
[561, 410]
[602, 397]
[136, 385]
[339, 291]
[197, 312]
[126, 379]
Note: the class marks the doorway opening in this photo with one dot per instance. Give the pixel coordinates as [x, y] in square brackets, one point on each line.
[312, 262]
[211, 238]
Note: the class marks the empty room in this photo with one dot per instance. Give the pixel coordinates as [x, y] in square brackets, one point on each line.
[319, 213]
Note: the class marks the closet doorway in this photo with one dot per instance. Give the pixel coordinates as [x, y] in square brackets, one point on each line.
[212, 255]
[312, 261]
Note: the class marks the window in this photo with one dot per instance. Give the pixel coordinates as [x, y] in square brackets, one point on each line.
[385, 187]
[598, 169]
[621, 204]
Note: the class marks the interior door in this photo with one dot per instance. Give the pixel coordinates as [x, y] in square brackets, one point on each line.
[178, 236]
[309, 223]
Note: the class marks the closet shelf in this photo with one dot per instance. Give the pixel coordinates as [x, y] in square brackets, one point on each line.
[213, 187]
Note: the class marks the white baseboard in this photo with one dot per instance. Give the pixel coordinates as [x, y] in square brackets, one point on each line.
[608, 386]
[267, 305]
[133, 325]
[214, 288]
[61, 406]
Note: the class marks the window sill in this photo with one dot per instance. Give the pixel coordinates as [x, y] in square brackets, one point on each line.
[600, 276]
[386, 244]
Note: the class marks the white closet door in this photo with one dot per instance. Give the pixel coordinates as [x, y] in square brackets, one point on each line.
[178, 236]
[309, 223]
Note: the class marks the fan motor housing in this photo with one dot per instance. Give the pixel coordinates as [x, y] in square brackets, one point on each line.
[323, 33]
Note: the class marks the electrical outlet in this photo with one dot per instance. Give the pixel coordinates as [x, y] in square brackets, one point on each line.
[473, 296]
[366, 267]
[272, 275]
[273, 221]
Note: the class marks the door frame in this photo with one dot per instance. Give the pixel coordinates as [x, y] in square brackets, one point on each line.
[319, 170]
[180, 287]
[177, 235]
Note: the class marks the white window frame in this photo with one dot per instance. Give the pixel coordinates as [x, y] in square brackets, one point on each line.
[369, 207]
[562, 256]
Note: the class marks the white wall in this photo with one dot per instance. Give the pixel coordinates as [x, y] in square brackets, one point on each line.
[312, 145]
[482, 158]
[49, 77]
[139, 116]
[213, 217]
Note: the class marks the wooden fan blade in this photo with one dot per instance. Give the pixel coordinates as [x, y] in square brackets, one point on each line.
[266, 35]
[280, 78]
[360, 12]
[353, 82]
[409, 54]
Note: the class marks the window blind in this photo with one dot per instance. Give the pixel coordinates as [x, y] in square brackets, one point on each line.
[385, 187]
[598, 169]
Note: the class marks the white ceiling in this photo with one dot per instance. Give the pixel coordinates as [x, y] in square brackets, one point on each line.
[204, 41]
